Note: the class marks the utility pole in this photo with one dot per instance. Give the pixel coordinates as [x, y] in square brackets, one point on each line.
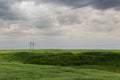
[32, 45]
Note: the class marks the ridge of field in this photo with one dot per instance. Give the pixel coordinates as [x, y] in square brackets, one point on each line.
[74, 51]
[65, 58]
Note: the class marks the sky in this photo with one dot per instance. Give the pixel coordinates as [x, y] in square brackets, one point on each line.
[60, 24]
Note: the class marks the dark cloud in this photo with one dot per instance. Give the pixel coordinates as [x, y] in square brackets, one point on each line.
[99, 4]
[70, 3]
[6, 13]
[5, 10]
[106, 4]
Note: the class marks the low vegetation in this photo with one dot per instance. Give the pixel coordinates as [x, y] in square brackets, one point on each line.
[67, 58]
[60, 65]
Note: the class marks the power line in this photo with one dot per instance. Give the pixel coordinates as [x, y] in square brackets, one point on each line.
[73, 8]
[44, 1]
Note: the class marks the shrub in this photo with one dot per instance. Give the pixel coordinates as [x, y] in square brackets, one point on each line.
[68, 59]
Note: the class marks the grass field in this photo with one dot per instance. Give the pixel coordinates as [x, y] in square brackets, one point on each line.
[12, 66]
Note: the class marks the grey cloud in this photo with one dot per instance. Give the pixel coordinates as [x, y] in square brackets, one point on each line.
[69, 19]
[58, 20]
[5, 12]
[99, 4]
[45, 22]
[64, 19]
[52, 32]
[4, 9]
[7, 15]
[70, 3]
[106, 4]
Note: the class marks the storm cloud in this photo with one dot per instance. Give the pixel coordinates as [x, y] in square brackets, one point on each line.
[60, 21]
[7, 13]
[99, 4]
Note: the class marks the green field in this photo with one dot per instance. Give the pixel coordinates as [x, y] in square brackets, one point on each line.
[48, 65]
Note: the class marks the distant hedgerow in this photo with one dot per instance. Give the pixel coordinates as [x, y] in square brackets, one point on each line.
[65, 59]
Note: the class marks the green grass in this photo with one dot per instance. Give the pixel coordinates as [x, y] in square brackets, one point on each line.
[18, 71]
[12, 66]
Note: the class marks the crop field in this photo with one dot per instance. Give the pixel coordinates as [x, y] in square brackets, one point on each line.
[55, 64]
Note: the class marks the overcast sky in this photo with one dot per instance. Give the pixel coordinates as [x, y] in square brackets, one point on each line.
[74, 24]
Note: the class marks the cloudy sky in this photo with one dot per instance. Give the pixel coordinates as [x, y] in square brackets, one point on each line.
[76, 24]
